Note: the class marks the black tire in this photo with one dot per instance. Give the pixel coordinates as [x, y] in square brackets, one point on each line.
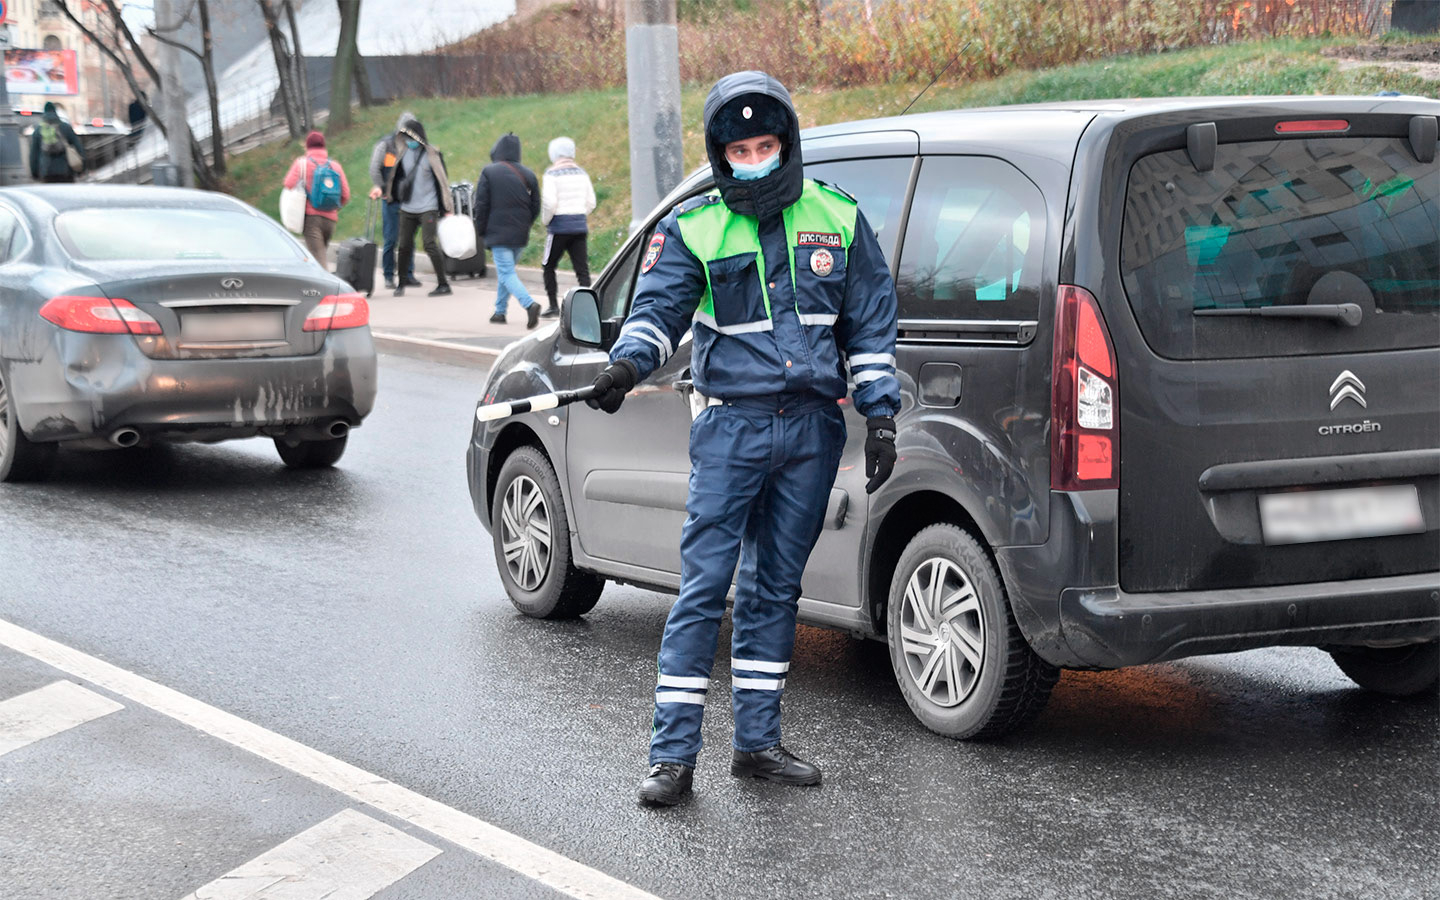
[311, 454]
[1409, 671]
[20, 458]
[540, 579]
[1010, 686]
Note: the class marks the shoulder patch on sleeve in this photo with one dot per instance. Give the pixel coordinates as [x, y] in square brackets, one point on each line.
[652, 252]
[695, 203]
[836, 189]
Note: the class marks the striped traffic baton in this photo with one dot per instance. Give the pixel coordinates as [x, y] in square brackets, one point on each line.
[493, 411]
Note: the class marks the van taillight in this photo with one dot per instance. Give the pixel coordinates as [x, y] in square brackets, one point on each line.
[98, 315]
[1083, 397]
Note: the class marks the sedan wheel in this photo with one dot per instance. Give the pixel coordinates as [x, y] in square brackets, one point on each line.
[20, 458]
[532, 541]
[311, 454]
[960, 660]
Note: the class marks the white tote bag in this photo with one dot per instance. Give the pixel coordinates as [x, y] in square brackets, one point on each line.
[457, 236]
[292, 209]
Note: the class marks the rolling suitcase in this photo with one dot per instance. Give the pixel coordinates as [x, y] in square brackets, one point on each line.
[462, 195]
[355, 257]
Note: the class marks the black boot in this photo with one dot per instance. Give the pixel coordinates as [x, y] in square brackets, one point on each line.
[667, 784]
[532, 315]
[550, 312]
[774, 764]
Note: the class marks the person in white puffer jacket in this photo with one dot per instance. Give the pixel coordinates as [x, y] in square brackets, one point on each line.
[566, 198]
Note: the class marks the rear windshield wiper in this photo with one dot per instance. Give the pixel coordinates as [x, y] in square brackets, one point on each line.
[1343, 313]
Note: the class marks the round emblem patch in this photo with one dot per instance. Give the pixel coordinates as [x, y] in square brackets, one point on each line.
[821, 262]
[652, 253]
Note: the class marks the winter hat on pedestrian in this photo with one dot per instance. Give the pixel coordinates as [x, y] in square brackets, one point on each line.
[50, 112]
[562, 148]
[314, 141]
[748, 116]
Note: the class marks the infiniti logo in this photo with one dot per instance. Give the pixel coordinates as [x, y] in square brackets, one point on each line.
[1347, 386]
[235, 284]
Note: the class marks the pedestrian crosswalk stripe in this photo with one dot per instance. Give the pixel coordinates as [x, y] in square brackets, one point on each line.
[48, 711]
[531, 860]
[349, 856]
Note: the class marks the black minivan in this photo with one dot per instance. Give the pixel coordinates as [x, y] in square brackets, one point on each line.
[1171, 384]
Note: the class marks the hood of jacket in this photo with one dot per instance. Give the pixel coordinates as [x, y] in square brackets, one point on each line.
[507, 149]
[411, 124]
[765, 196]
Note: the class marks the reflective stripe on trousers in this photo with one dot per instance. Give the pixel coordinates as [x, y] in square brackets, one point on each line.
[759, 486]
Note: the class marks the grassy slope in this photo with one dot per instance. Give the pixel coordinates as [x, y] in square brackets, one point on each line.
[465, 129]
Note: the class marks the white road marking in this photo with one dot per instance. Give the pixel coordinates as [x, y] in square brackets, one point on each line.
[349, 856]
[48, 711]
[480, 837]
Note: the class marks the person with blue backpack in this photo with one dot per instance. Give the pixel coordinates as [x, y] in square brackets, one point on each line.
[326, 190]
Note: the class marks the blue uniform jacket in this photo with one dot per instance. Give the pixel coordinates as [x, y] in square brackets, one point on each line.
[812, 322]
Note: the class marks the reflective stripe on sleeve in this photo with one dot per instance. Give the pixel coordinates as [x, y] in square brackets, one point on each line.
[681, 681]
[873, 359]
[679, 697]
[636, 327]
[758, 684]
[642, 336]
[760, 665]
[866, 377]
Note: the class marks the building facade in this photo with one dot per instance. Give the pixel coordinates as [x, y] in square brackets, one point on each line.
[71, 72]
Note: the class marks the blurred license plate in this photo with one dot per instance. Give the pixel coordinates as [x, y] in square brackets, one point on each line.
[1305, 516]
[267, 325]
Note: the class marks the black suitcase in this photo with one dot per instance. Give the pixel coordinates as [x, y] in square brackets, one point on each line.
[462, 196]
[355, 257]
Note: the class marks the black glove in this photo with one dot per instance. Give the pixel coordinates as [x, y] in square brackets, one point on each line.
[879, 451]
[613, 384]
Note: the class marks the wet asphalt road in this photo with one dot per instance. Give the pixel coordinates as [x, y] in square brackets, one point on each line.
[358, 611]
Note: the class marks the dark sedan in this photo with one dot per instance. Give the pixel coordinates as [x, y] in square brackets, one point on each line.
[130, 315]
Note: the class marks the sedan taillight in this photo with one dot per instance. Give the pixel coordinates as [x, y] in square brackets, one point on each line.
[98, 315]
[339, 311]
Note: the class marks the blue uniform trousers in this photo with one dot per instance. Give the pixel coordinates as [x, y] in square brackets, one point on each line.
[761, 471]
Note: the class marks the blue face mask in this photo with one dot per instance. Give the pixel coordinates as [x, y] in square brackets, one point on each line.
[413, 145]
[752, 171]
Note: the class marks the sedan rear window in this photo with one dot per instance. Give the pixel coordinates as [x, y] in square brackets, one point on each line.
[1270, 221]
[161, 234]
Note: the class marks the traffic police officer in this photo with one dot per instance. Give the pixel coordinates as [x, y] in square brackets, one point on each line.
[778, 276]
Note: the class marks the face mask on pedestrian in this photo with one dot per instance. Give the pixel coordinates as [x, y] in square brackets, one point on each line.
[752, 171]
[413, 145]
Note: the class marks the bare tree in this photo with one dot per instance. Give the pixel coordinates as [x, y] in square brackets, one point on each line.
[206, 56]
[346, 52]
[283, 68]
[301, 76]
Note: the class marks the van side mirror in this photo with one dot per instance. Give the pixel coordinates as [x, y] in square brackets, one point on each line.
[580, 317]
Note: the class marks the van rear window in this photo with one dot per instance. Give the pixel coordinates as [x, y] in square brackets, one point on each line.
[1264, 227]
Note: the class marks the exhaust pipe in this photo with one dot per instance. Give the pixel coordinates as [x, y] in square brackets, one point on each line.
[338, 428]
[125, 437]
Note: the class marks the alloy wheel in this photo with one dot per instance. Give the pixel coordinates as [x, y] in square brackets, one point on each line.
[4, 419]
[525, 533]
[942, 631]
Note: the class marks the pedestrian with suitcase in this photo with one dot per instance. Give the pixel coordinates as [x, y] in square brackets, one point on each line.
[419, 184]
[326, 190]
[386, 152]
[462, 195]
[566, 198]
[507, 200]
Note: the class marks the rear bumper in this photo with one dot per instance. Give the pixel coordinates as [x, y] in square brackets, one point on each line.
[1109, 628]
[1106, 627]
[86, 386]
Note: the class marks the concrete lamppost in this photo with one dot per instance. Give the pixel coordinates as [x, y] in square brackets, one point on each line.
[652, 70]
[12, 170]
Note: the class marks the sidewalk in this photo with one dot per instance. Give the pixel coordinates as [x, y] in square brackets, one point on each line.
[454, 329]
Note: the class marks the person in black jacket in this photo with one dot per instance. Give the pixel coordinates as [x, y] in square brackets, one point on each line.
[507, 201]
[418, 183]
[48, 142]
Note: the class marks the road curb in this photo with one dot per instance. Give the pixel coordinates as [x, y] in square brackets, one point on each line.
[435, 351]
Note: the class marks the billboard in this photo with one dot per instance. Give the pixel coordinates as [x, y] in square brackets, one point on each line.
[41, 72]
